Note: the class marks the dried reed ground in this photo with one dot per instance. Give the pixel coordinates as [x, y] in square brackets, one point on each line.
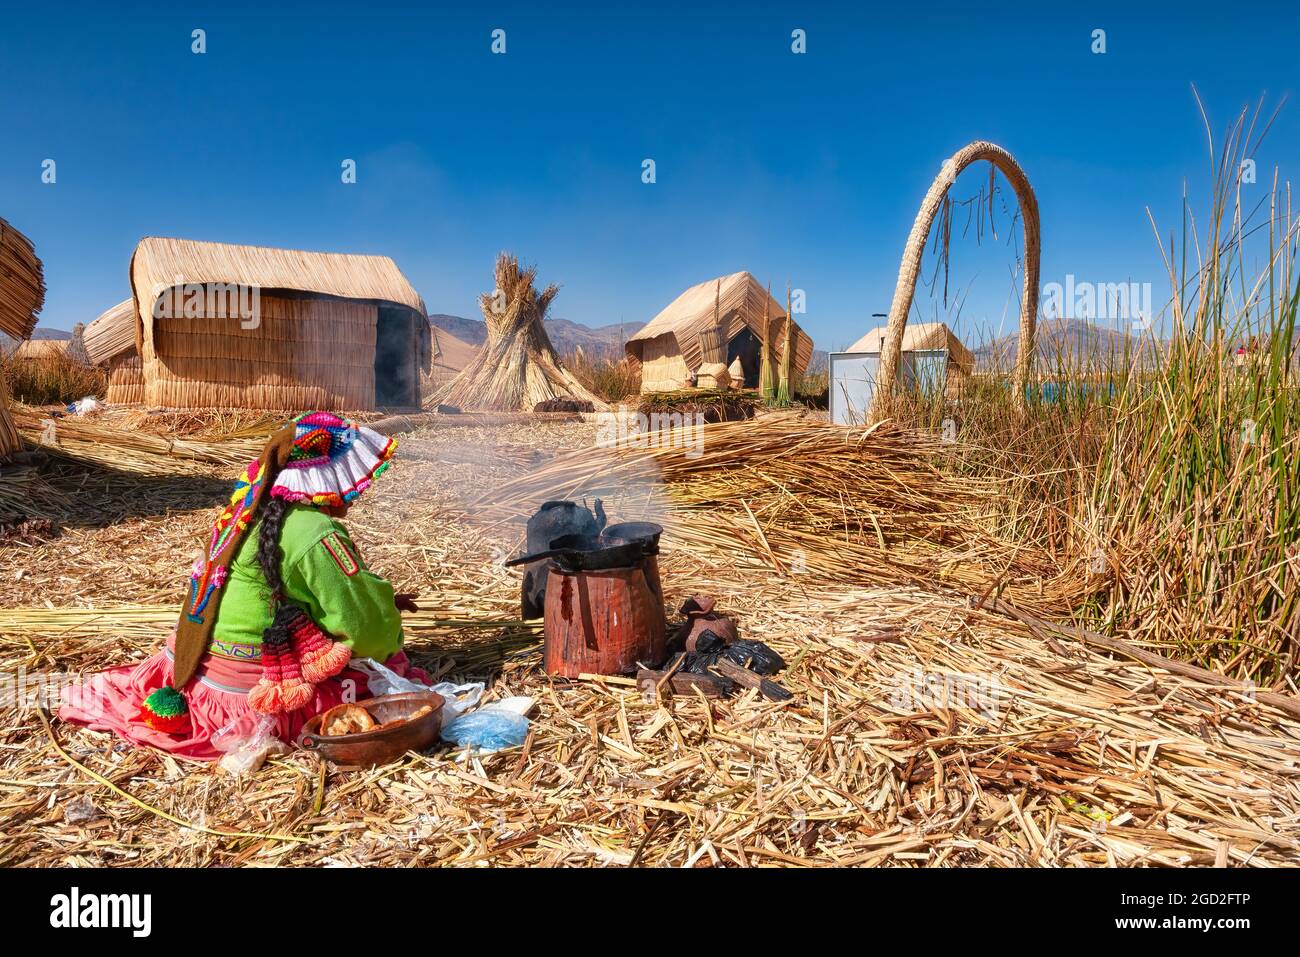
[1087, 761]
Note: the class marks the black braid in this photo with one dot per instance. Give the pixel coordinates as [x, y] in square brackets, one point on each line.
[269, 552]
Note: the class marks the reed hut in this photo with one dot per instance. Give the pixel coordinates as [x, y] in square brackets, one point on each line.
[716, 322]
[22, 294]
[223, 326]
[932, 360]
[110, 342]
[72, 349]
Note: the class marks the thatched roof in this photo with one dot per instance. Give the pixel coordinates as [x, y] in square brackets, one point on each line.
[22, 283]
[740, 301]
[160, 264]
[113, 333]
[920, 336]
[41, 348]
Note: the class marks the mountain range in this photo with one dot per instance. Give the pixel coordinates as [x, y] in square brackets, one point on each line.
[1071, 342]
[565, 334]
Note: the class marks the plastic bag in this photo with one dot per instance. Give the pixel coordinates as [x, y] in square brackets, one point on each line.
[246, 752]
[380, 680]
[85, 406]
[493, 727]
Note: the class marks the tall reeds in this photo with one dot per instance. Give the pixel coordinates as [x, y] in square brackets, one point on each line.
[1168, 471]
[52, 378]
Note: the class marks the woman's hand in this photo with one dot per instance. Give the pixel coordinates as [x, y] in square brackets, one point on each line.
[405, 602]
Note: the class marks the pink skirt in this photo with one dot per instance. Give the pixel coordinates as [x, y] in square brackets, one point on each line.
[218, 703]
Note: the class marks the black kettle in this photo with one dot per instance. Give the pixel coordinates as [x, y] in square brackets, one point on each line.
[553, 520]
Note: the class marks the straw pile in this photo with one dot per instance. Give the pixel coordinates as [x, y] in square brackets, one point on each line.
[24, 493]
[131, 450]
[517, 367]
[788, 493]
[922, 732]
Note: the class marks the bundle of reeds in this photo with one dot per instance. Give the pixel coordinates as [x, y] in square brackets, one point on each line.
[10, 441]
[612, 377]
[22, 294]
[24, 493]
[207, 424]
[517, 367]
[22, 283]
[131, 450]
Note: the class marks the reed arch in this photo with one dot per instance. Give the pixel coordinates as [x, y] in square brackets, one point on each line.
[910, 268]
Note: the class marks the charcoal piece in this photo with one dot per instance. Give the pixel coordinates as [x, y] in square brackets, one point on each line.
[754, 655]
[708, 641]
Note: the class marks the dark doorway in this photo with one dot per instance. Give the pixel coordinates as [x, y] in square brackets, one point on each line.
[745, 346]
[395, 347]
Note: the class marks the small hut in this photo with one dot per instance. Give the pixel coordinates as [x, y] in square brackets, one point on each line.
[22, 294]
[222, 326]
[110, 342]
[933, 361]
[45, 350]
[720, 321]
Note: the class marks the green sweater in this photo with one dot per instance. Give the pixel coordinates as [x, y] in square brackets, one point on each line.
[323, 573]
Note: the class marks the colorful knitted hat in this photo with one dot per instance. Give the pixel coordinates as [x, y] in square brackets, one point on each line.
[333, 460]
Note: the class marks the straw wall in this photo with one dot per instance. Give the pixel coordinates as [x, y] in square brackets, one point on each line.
[9, 440]
[125, 379]
[303, 354]
[662, 367]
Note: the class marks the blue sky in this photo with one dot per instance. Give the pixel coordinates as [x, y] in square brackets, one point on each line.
[802, 168]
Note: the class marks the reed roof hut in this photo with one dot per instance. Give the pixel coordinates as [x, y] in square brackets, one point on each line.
[923, 337]
[224, 326]
[731, 315]
[931, 360]
[22, 294]
[517, 368]
[110, 342]
[37, 349]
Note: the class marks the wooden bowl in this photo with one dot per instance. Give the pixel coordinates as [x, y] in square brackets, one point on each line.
[381, 745]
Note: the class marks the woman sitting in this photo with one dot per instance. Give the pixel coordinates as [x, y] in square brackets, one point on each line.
[279, 602]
